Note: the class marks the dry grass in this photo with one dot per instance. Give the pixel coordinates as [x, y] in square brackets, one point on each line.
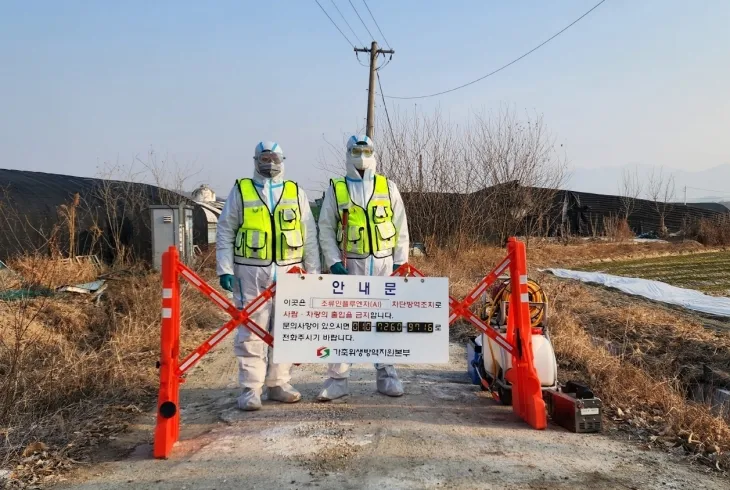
[643, 359]
[617, 229]
[73, 372]
[40, 271]
[711, 232]
[639, 357]
[654, 406]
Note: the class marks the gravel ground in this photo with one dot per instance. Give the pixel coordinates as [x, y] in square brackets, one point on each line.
[444, 433]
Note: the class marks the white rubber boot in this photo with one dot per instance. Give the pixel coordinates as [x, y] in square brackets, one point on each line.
[249, 400]
[388, 382]
[285, 393]
[333, 389]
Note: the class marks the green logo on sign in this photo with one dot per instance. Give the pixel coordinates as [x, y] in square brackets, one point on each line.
[323, 352]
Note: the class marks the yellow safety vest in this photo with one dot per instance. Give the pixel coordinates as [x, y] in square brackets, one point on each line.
[370, 231]
[265, 237]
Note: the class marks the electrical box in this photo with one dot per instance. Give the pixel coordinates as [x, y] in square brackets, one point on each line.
[171, 225]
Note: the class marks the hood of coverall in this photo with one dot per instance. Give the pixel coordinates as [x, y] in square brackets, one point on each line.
[353, 164]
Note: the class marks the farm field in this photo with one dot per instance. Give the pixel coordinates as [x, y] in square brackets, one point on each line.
[707, 272]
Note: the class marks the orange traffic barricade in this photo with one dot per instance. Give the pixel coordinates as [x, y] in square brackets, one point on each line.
[526, 392]
[167, 430]
[527, 401]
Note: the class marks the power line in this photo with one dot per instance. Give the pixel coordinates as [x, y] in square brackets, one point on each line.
[385, 106]
[376, 23]
[363, 22]
[385, 63]
[508, 64]
[343, 18]
[334, 24]
[358, 59]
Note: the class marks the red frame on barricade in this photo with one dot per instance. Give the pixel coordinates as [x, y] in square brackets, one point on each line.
[527, 399]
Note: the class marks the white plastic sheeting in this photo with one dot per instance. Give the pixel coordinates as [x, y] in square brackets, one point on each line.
[654, 290]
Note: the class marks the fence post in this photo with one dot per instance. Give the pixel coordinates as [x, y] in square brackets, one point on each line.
[527, 399]
[167, 429]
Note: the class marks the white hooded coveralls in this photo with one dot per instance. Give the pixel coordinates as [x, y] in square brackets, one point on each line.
[250, 281]
[361, 190]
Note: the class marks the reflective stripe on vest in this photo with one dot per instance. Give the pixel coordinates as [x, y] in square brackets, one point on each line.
[265, 237]
[369, 230]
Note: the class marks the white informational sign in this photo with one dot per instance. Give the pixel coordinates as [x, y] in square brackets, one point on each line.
[393, 320]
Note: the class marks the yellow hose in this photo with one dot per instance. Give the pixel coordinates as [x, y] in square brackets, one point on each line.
[535, 295]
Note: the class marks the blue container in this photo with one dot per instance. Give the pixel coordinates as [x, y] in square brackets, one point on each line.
[473, 358]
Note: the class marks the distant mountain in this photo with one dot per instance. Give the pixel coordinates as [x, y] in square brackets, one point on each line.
[709, 185]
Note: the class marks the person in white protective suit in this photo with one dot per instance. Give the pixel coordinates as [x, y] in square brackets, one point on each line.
[266, 228]
[377, 242]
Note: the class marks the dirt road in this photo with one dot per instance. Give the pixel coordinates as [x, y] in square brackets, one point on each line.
[444, 433]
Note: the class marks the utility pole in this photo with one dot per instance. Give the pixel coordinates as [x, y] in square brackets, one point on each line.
[374, 52]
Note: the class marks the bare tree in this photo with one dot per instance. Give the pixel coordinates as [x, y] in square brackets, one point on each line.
[119, 198]
[662, 190]
[523, 168]
[491, 177]
[426, 155]
[629, 191]
[487, 178]
[125, 192]
[172, 178]
[19, 232]
[67, 213]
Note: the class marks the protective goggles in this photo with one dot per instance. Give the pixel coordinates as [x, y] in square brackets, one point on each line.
[364, 151]
[270, 157]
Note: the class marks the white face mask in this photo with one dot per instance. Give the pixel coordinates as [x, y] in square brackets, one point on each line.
[360, 162]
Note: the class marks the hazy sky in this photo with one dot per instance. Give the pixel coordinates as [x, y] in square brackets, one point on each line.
[89, 81]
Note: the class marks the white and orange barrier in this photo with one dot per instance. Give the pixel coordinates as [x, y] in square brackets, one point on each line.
[526, 392]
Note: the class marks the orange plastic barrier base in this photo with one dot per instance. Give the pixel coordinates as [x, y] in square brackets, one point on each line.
[527, 399]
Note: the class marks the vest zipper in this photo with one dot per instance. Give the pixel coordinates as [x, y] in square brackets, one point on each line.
[273, 240]
[273, 223]
[367, 223]
[367, 215]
